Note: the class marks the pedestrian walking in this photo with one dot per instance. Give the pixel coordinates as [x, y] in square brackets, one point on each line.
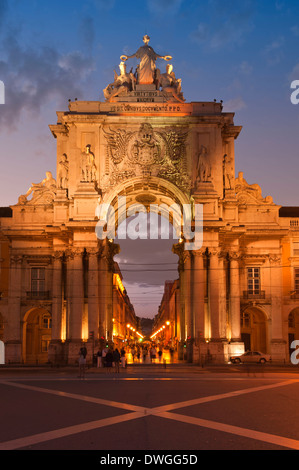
[144, 354]
[133, 352]
[104, 352]
[116, 359]
[109, 360]
[153, 353]
[160, 352]
[99, 358]
[123, 358]
[82, 362]
[171, 350]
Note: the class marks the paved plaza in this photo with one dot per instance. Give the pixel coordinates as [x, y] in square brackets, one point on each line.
[150, 407]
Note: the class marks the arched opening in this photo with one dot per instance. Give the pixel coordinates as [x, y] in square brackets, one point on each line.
[254, 329]
[293, 328]
[38, 334]
[132, 214]
[148, 267]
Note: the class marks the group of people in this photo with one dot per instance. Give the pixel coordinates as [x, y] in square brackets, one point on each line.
[109, 358]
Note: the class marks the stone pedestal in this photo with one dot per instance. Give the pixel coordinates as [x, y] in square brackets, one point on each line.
[205, 194]
[278, 350]
[61, 206]
[85, 201]
[13, 352]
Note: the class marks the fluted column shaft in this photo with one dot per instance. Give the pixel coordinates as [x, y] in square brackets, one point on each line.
[56, 295]
[77, 296]
[214, 294]
[93, 292]
[235, 297]
[199, 294]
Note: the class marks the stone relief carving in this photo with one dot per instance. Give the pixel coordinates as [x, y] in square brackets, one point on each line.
[250, 193]
[88, 167]
[63, 172]
[42, 193]
[146, 152]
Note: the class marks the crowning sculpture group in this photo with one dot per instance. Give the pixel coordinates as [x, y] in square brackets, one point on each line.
[146, 73]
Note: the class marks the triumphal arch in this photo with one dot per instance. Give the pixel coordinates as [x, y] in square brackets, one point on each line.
[144, 143]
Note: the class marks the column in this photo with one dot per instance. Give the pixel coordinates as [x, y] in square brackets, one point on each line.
[57, 295]
[77, 296]
[93, 291]
[213, 295]
[199, 294]
[277, 346]
[235, 321]
[13, 329]
[102, 295]
[187, 295]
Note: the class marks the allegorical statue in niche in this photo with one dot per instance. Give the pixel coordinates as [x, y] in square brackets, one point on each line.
[88, 167]
[123, 83]
[63, 172]
[47, 187]
[170, 84]
[203, 167]
[147, 66]
[228, 172]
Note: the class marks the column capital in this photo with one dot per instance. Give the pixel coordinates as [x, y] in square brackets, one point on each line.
[274, 259]
[57, 255]
[72, 253]
[16, 259]
[215, 252]
[234, 255]
[93, 251]
[199, 253]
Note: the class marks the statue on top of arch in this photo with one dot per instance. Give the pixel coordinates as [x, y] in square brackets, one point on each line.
[146, 73]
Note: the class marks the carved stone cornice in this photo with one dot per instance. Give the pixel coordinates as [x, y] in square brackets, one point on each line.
[254, 257]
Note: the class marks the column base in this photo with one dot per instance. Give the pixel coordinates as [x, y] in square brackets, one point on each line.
[58, 353]
[13, 352]
[279, 350]
[216, 351]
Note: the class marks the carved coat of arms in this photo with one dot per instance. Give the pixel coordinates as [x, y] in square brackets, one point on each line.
[146, 152]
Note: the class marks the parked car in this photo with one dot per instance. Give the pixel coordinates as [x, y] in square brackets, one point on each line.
[251, 356]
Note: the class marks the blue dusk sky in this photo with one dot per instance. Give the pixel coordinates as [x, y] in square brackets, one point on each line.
[242, 52]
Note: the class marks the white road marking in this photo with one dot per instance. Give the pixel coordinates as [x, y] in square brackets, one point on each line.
[235, 393]
[75, 396]
[242, 432]
[65, 432]
[139, 412]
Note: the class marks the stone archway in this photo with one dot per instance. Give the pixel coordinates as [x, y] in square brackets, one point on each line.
[37, 334]
[153, 193]
[254, 329]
